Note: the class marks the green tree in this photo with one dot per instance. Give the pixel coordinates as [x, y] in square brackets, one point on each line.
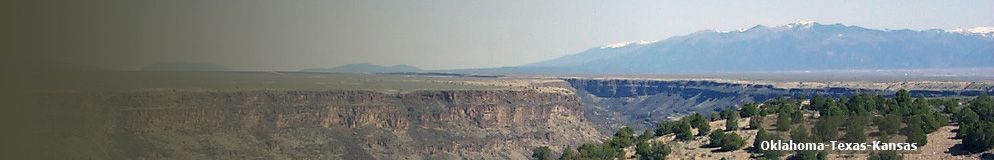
[976, 123]
[903, 98]
[542, 153]
[646, 135]
[980, 135]
[756, 122]
[950, 106]
[714, 116]
[599, 151]
[726, 141]
[915, 132]
[889, 124]
[932, 121]
[827, 128]
[983, 106]
[885, 155]
[731, 142]
[771, 154]
[732, 123]
[861, 104]
[834, 110]
[761, 136]
[801, 135]
[702, 125]
[856, 129]
[703, 129]
[819, 103]
[569, 154]
[783, 121]
[967, 116]
[715, 139]
[797, 117]
[652, 151]
[623, 138]
[665, 127]
[683, 131]
[749, 110]
[727, 112]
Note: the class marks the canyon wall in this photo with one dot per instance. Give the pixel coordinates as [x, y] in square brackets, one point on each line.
[178, 124]
[611, 103]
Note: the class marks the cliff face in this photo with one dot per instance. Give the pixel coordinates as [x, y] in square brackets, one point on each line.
[496, 124]
[611, 103]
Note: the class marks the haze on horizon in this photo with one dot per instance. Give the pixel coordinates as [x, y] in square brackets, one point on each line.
[284, 35]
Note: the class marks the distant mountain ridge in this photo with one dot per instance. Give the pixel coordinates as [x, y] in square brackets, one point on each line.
[792, 47]
[184, 66]
[365, 68]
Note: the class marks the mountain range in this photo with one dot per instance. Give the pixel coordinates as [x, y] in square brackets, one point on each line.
[801, 46]
[365, 68]
[184, 66]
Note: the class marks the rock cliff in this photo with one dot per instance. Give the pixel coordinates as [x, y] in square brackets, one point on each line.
[182, 124]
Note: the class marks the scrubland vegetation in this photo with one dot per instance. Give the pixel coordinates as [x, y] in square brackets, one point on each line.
[860, 118]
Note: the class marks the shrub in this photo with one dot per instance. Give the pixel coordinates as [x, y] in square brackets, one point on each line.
[889, 124]
[749, 110]
[827, 128]
[542, 153]
[731, 141]
[980, 135]
[623, 138]
[665, 127]
[914, 131]
[599, 151]
[732, 123]
[783, 121]
[652, 151]
[682, 131]
[756, 122]
[856, 129]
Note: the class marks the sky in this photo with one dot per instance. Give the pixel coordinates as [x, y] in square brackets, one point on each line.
[431, 34]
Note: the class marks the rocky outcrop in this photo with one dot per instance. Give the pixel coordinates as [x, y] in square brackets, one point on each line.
[470, 124]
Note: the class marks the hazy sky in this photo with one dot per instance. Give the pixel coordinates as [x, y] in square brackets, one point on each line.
[440, 34]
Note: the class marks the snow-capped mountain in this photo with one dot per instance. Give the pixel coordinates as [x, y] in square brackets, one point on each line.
[803, 45]
[983, 31]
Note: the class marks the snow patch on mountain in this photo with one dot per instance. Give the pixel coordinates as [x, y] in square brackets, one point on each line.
[801, 24]
[625, 44]
[985, 31]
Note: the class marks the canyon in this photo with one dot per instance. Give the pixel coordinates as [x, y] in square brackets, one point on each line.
[292, 115]
[640, 103]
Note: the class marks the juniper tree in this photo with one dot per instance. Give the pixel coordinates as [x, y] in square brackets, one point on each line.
[542, 153]
[783, 121]
[749, 110]
[915, 132]
[827, 128]
[682, 131]
[756, 122]
[856, 129]
[732, 123]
